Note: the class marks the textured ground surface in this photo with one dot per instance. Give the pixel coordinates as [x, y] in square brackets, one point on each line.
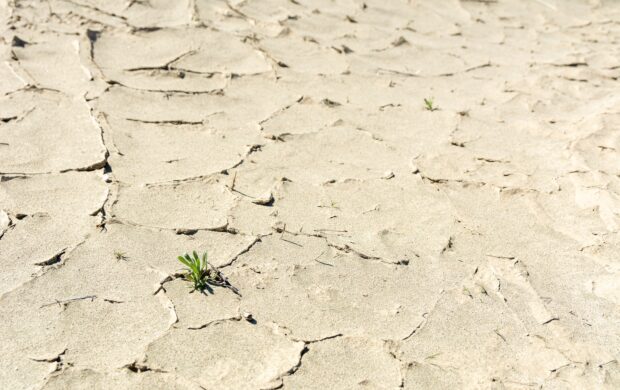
[375, 243]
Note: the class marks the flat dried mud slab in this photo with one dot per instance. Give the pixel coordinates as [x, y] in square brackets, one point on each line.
[315, 292]
[124, 380]
[47, 132]
[196, 205]
[347, 362]
[368, 241]
[156, 152]
[48, 216]
[231, 354]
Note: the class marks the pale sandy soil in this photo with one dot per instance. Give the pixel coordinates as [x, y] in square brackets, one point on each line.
[376, 244]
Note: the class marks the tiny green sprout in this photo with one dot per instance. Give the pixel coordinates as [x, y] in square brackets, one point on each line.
[198, 269]
[120, 255]
[202, 274]
[332, 205]
[429, 105]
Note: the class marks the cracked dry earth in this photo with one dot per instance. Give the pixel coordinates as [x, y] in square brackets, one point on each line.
[375, 243]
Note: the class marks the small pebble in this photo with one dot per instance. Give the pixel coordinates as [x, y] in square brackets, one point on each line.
[388, 175]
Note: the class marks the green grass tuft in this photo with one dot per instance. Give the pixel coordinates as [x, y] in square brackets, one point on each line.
[429, 105]
[202, 274]
[198, 269]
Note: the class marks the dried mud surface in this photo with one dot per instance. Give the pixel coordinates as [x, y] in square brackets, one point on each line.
[376, 244]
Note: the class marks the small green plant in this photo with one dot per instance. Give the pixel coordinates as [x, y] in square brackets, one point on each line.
[429, 105]
[202, 274]
[120, 255]
[332, 205]
[198, 270]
